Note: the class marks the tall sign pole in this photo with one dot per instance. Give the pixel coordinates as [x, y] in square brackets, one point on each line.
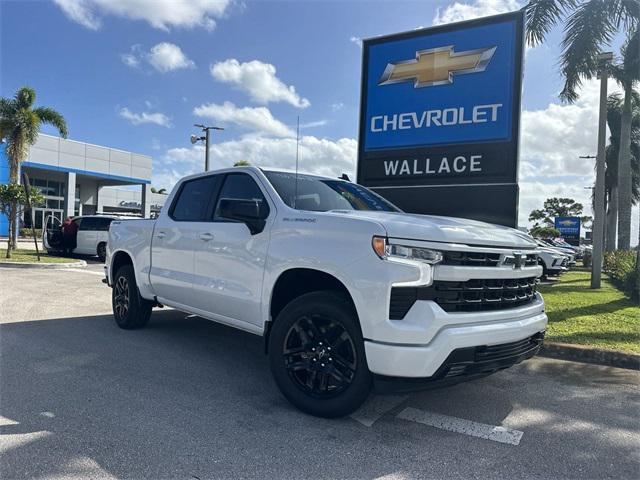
[598, 212]
[206, 151]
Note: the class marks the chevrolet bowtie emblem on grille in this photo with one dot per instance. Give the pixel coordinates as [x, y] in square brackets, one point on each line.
[436, 66]
[518, 260]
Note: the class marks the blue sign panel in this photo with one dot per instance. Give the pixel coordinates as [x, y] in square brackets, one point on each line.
[441, 88]
[440, 107]
[569, 227]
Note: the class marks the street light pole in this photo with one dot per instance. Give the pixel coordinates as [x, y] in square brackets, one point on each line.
[206, 151]
[204, 139]
[598, 212]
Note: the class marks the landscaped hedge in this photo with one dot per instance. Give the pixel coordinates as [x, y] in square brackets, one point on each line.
[27, 232]
[621, 267]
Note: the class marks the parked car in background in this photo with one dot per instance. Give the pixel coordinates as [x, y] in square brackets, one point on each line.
[91, 238]
[347, 290]
[553, 261]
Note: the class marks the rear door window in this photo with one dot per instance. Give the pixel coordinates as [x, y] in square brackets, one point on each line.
[195, 198]
[87, 224]
[102, 224]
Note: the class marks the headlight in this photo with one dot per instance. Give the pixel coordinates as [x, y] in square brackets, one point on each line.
[385, 250]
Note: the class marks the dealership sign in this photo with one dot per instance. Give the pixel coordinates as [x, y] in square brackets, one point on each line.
[440, 107]
[569, 228]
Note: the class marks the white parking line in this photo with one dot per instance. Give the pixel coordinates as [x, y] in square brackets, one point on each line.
[376, 407]
[460, 425]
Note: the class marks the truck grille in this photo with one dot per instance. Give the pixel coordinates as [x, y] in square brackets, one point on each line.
[482, 259]
[469, 296]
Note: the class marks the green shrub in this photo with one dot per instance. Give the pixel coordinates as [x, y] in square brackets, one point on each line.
[621, 267]
[28, 232]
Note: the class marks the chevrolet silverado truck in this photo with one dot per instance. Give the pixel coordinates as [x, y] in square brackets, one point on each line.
[348, 291]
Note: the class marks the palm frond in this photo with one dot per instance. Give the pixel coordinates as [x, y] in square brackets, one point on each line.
[588, 28]
[631, 55]
[624, 12]
[7, 107]
[25, 97]
[542, 15]
[52, 117]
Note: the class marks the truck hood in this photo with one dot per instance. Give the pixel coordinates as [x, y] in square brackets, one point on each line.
[444, 229]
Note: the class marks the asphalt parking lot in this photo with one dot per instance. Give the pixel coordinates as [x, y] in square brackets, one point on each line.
[190, 399]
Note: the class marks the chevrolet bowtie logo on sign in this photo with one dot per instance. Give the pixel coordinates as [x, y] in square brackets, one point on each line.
[436, 66]
[568, 223]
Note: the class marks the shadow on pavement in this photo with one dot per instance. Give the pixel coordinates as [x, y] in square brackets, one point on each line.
[188, 398]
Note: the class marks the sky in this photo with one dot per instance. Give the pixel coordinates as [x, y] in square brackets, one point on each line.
[137, 74]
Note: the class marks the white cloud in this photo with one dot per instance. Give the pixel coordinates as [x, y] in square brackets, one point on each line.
[552, 140]
[317, 155]
[163, 57]
[356, 40]
[166, 57]
[337, 106]
[80, 12]
[130, 60]
[259, 80]
[156, 118]
[259, 118]
[315, 123]
[459, 11]
[161, 14]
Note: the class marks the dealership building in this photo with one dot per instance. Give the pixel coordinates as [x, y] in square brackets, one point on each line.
[79, 178]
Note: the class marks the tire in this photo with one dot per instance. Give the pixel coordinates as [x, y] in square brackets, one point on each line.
[130, 310]
[544, 270]
[101, 251]
[317, 356]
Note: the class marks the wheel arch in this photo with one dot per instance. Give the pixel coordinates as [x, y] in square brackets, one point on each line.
[119, 259]
[298, 281]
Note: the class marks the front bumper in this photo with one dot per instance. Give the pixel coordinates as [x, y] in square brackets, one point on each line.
[465, 364]
[424, 360]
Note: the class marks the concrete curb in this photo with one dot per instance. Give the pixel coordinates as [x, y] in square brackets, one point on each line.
[585, 354]
[44, 266]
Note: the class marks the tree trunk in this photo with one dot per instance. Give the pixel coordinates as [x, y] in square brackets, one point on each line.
[14, 167]
[11, 227]
[638, 267]
[612, 220]
[624, 174]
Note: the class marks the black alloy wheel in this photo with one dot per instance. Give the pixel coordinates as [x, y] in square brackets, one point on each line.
[320, 356]
[130, 310]
[121, 299]
[317, 356]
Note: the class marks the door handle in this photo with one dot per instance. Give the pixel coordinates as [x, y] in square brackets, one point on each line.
[206, 236]
[161, 234]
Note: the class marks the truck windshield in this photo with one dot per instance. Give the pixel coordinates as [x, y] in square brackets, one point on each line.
[322, 194]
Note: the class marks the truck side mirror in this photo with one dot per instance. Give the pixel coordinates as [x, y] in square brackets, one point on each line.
[250, 212]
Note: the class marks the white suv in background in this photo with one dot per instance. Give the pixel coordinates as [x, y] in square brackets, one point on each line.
[91, 239]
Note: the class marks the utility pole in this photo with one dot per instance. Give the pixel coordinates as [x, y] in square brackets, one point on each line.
[205, 139]
[598, 212]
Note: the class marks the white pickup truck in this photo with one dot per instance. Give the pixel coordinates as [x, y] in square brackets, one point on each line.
[347, 290]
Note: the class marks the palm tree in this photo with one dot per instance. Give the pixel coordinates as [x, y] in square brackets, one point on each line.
[19, 126]
[589, 25]
[626, 74]
[614, 120]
